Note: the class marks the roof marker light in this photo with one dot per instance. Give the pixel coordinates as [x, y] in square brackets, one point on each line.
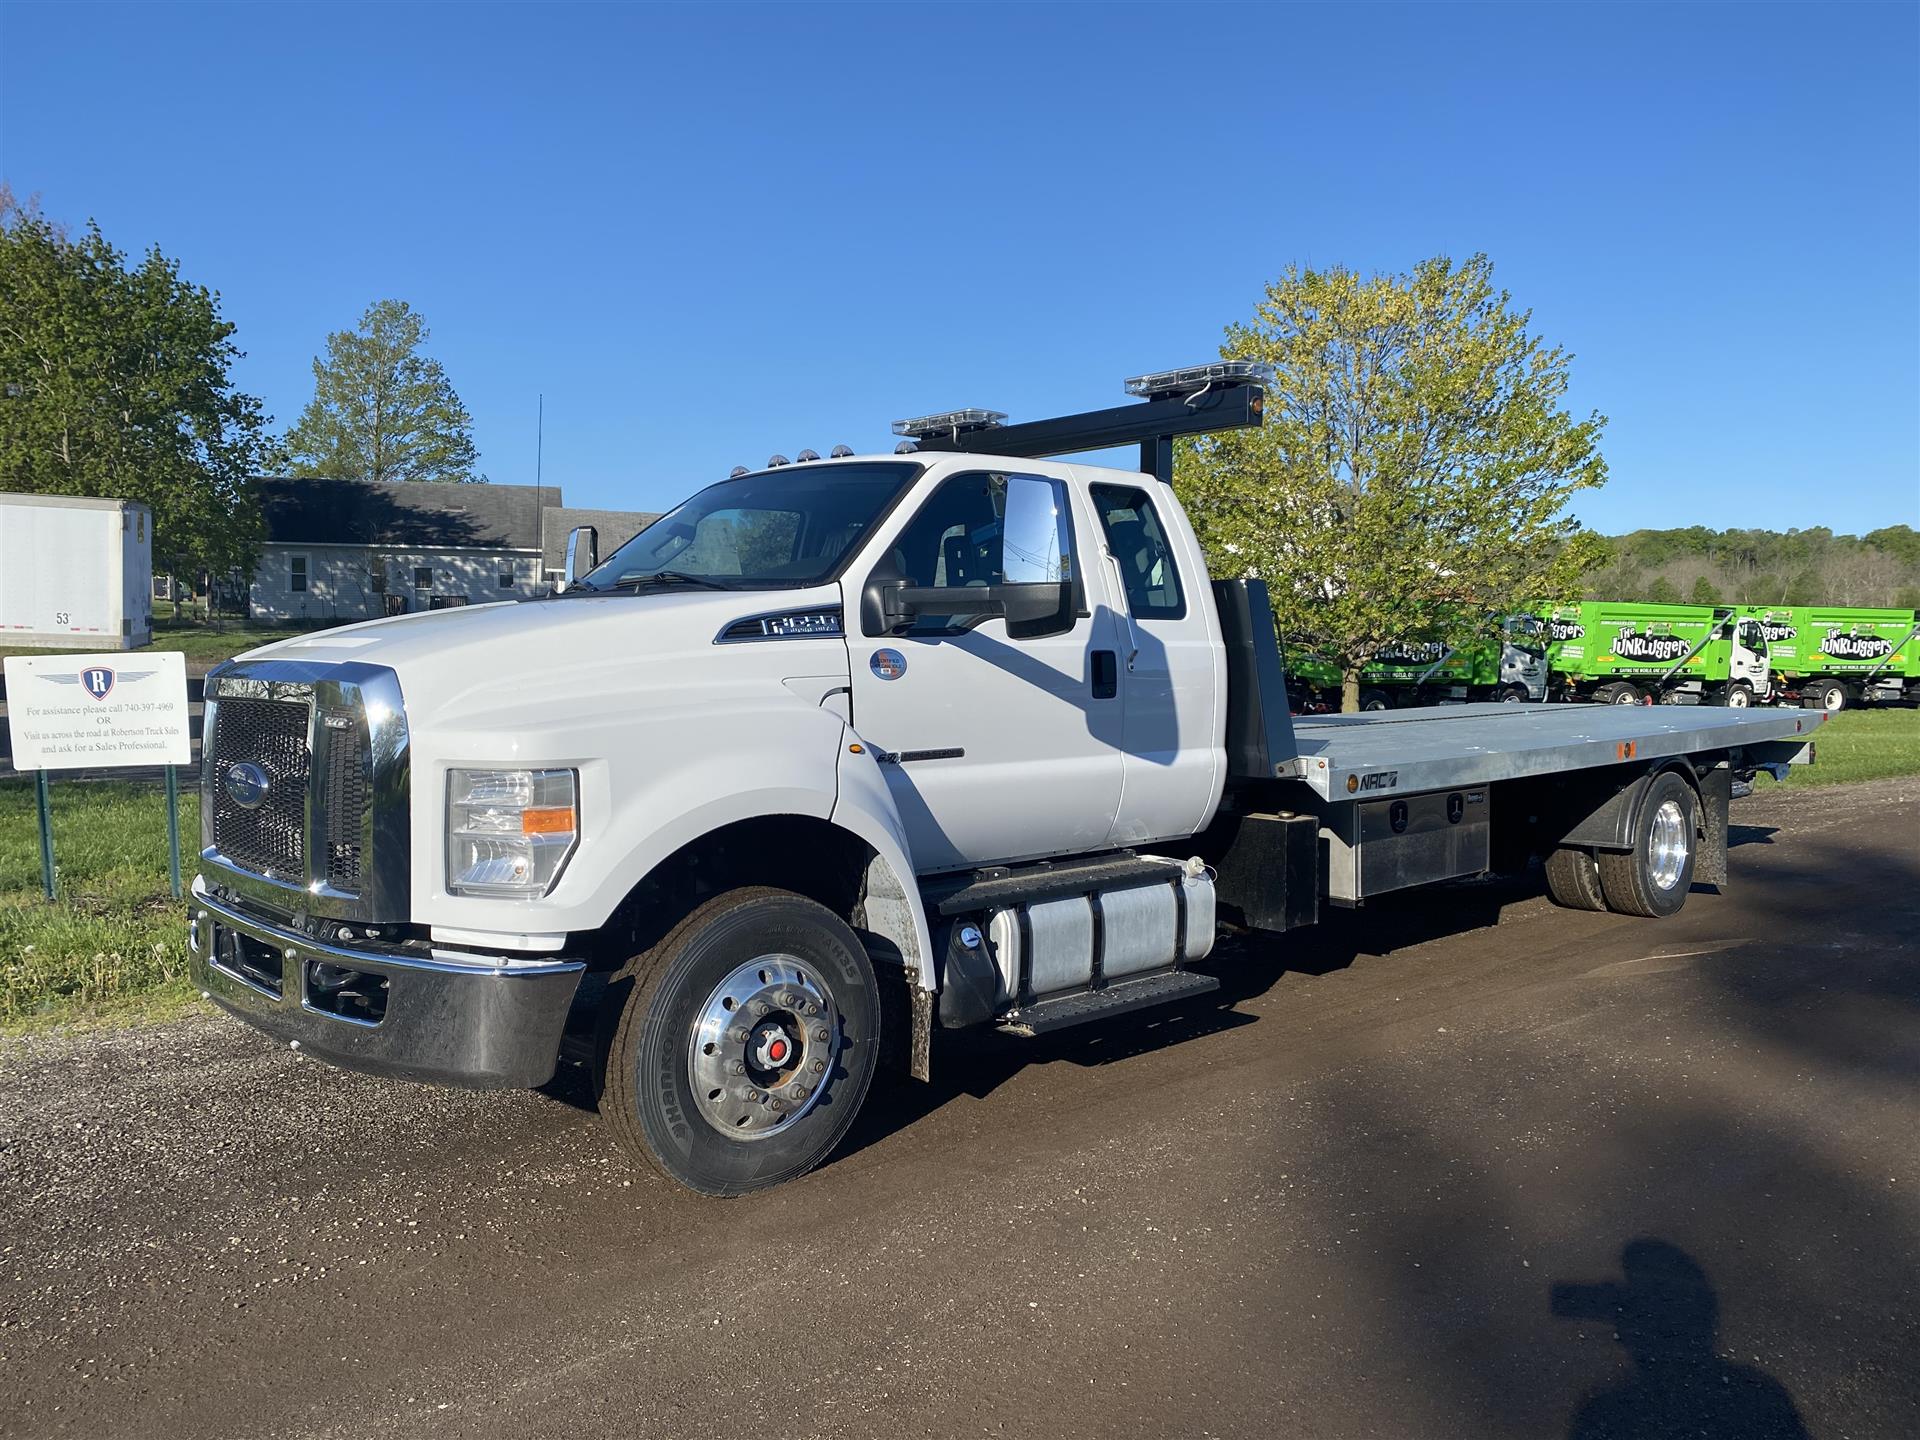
[1191, 379]
[737, 472]
[805, 455]
[948, 423]
[774, 461]
[905, 447]
[841, 452]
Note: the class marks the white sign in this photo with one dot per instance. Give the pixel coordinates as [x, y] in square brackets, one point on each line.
[76, 712]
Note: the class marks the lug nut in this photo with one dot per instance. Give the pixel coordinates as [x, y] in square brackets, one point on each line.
[775, 1106]
[739, 1035]
[797, 1090]
[786, 999]
[821, 1034]
[758, 1008]
[736, 1067]
[819, 1067]
[809, 1008]
[751, 1095]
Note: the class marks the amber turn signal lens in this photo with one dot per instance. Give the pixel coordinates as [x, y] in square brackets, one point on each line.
[554, 820]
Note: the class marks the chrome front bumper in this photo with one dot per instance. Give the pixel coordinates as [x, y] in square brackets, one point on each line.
[490, 1023]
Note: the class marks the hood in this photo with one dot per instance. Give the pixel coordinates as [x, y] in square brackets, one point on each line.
[625, 648]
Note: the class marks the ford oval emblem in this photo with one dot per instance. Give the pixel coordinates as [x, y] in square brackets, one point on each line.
[247, 784]
[888, 664]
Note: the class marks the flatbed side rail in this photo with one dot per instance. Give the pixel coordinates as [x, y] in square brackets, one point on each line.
[1405, 752]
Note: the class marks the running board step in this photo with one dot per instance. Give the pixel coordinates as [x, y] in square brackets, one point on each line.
[1057, 1014]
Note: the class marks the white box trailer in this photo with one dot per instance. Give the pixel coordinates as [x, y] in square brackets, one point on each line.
[75, 572]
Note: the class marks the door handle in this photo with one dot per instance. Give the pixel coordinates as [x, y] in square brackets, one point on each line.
[1106, 675]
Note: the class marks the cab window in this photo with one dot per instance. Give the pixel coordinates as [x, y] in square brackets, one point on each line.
[1139, 542]
[960, 539]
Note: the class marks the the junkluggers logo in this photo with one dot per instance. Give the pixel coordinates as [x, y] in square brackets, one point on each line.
[1856, 647]
[1648, 646]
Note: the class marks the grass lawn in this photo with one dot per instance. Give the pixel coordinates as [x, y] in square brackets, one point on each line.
[1859, 745]
[113, 945]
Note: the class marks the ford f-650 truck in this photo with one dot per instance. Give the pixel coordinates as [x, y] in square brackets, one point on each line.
[842, 752]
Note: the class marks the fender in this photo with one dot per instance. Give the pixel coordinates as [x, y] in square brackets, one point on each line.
[650, 782]
[894, 909]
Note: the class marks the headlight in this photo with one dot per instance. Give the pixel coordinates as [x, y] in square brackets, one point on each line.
[510, 831]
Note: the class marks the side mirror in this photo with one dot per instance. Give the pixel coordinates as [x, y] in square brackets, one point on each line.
[583, 553]
[1029, 610]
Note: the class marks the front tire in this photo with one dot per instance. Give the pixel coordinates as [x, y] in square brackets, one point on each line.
[1375, 700]
[1833, 697]
[1515, 694]
[1739, 696]
[1621, 693]
[746, 1045]
[1653, 878]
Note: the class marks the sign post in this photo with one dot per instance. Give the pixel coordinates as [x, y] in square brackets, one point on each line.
[90, 712]
[46, 832]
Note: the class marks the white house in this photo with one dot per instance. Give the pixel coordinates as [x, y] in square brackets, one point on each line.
[351, 550]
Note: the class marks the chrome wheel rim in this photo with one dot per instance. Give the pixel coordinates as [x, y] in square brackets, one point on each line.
[763, 1047]
[1625, 697]
[1738, 699]
[1667, 841]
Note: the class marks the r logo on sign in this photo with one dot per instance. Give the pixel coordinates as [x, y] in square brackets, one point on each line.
[98, 681]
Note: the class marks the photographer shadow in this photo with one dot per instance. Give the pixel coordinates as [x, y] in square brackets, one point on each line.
[1665, 1316]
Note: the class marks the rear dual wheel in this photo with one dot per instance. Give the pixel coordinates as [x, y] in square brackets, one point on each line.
[1573, 879]
[1653, 878]
[747, 1041]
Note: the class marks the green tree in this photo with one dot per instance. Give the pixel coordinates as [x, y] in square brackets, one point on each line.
[382, 410]
[1663, 591]
[1416, 460]
[1705, 592]
[116, 383]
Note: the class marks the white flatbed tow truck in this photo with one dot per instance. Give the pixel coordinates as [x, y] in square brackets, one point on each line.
[845, 751]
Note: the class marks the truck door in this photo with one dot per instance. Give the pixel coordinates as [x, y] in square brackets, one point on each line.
[1170, 672]
[995, 746]
[1749, 657]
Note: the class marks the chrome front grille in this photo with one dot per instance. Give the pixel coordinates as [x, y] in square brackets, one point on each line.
[268, 837]
[326, 835]
[345, 806]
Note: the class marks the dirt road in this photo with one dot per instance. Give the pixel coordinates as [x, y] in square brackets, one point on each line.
[1467, 1165]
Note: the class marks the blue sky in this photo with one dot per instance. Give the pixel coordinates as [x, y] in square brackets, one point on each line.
[710, 233]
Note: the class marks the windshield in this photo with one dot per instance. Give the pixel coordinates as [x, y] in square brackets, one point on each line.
[774, 530]
[1527, 633]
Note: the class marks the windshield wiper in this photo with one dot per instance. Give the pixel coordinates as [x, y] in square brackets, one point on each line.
[668, 577]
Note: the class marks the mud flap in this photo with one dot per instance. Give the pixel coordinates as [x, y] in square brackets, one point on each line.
[1716, 791]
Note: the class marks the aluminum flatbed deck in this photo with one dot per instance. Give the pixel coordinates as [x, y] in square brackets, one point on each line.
[1445, 747]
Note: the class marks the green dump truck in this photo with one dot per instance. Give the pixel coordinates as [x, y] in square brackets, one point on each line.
[1628, 653]
[1831, 658]
[1506, 662]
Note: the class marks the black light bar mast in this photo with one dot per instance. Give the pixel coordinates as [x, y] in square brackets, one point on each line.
[1153, 424]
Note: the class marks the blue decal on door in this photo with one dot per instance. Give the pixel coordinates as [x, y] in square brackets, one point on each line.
[888, 664]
